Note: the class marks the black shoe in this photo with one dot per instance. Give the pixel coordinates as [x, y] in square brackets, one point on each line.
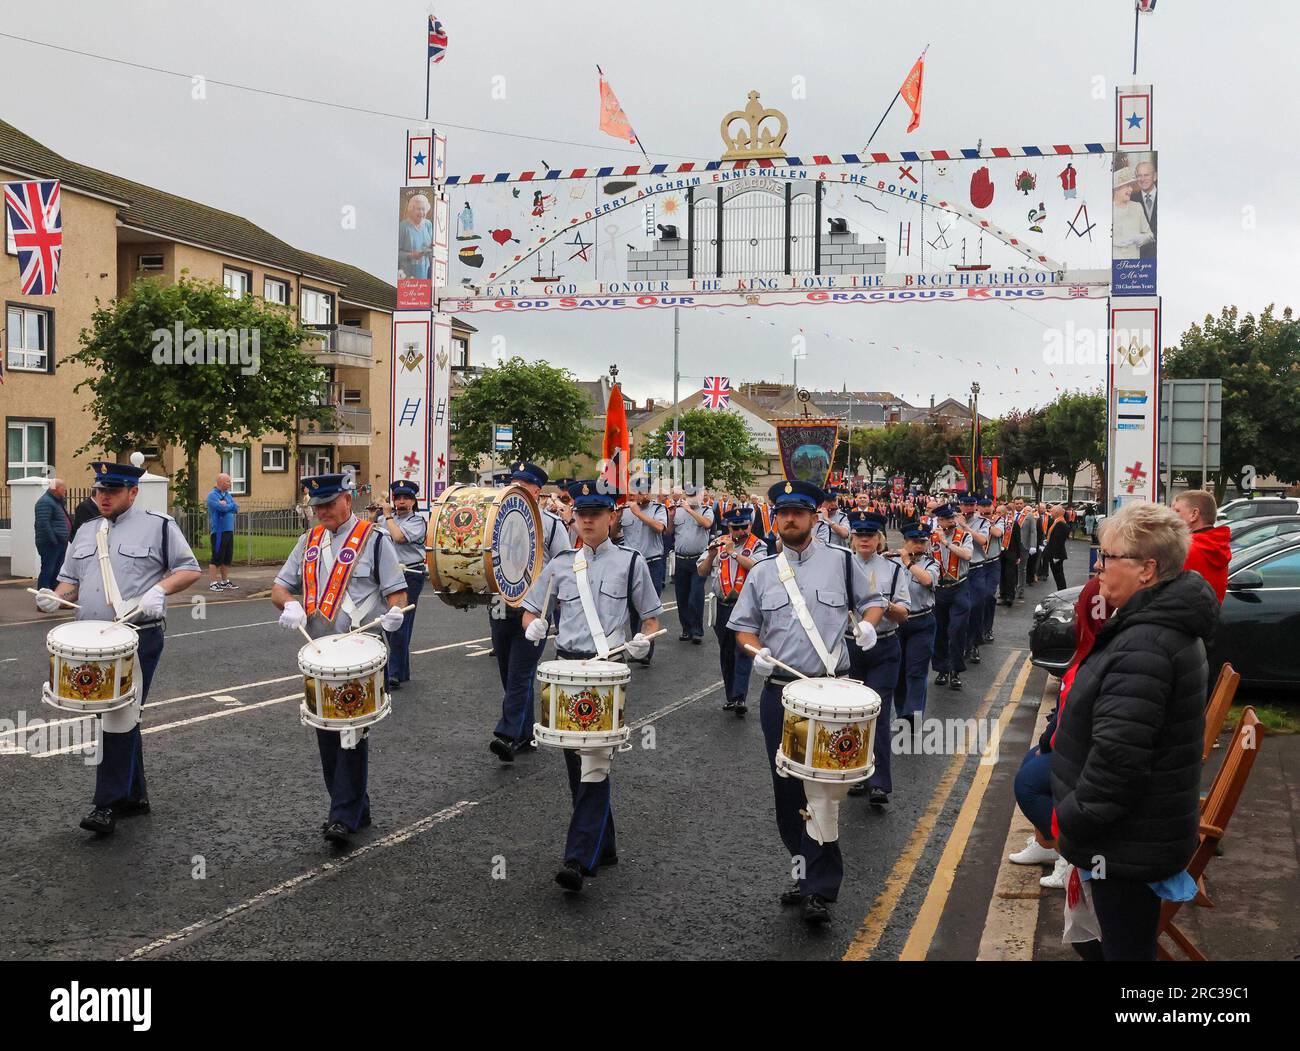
[975, 657]
[501, 749]
[954, 683]
[941, 679]
[130, 809]
[229, 585]
[365, 821]
[988, 637]
[741, 707]
[524, 747]
[337, 832]
[729, 705]
[815, 911]
[392, 686]
[608, 860]
[570, 877]
[697, 640]
[685, 636]
[99, 821]
[793, 896]
[879, 797]
[860, 789]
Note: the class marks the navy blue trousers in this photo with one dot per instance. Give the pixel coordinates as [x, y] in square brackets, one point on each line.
[689, 588]
[119, 778]
[736, 663]
[823, 865]
[517, 661]
[951, 610]
[52, 557]
[978, 583]
[346, 771]
[1033, 788]
[916, 639]
[399, 641]
[878, 668]
[591, 828]
[657, 570]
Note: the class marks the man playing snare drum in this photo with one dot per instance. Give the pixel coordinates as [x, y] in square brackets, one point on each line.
[349, 574]
[147, 559]
[593, 586]
[812, 583]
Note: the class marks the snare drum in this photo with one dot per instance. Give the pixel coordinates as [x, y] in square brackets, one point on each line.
[484, 542]
[581, 704]
[343, 683]
[829, 730]
[92, 666]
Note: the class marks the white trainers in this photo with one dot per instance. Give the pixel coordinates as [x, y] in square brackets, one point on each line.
[1033, 854]
[1056, 881]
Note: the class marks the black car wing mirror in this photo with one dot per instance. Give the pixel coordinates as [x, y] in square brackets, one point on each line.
[1246, 580]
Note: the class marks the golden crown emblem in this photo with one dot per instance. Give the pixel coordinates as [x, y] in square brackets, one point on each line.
[753, 142]
[586, 490]
[789, 488]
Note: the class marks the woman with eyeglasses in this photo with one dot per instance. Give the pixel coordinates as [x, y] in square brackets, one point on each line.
[1126, 758]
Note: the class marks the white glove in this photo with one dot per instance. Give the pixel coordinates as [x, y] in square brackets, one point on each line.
[153, 603]
[293, 616]
[536, 630]
[46, 601]
[864, 634]
[1033, 550]
[392, 618]
[763, 662]
[638, 647]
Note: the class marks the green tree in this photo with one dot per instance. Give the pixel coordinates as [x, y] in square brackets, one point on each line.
[1021, 443]
[543, 404]
[1258, 360]
[718, 438]
[917, 451]
[147, 390]
[862, 445]
[1076, 432]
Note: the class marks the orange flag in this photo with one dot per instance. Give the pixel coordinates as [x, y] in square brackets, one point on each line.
[613, 121]
[911, 92]
[616, 447]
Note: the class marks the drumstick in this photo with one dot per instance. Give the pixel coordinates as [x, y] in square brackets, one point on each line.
[616, 649]
[362, 627]
[33, 591]
[785, 667]
[309, 638]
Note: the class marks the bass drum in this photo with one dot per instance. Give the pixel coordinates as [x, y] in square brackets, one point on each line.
[484, 542]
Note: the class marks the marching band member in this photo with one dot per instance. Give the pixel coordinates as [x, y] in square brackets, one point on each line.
[832, 523]
[992, 565]
[951, 547]
[348, 570]
[406, 527]
[979, 529]
[727, 561]
[916, 634]
[595, 586]
[764, 526]
[128, 559]
[795, 606]
[692, 525]
[878, 666]
[644, 522]
[518, 657]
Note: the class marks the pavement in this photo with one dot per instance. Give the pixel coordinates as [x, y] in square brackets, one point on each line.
[460, 859]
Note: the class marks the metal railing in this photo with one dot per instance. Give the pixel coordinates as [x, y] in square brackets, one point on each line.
[346, 341]
[346, 422]
[263, 536]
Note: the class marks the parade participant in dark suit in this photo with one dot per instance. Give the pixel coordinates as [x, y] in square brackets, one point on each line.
[129, 559]
[727, 562]
[794, 608]
[517, 657]
[595, 586]
[1056, 536]
[406, 527]
[951, 547]
[348, 571]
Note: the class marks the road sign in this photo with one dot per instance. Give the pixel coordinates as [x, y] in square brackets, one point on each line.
[503, 438]
[1191, 424]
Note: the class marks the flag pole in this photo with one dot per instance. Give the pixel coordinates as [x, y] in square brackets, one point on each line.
[428, 65]
[897, 94]
[1136, 21]
[601, 73]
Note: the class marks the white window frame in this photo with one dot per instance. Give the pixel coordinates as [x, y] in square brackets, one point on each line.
[25, 467]
[321, 460]
[13, 354]
[274, 282]
[276, 452]
[238, 479]
[139, 262]
[309, 299]
[245, 282]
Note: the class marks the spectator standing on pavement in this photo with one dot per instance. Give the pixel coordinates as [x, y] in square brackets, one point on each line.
[222, 509]
[1126, 758]
[87, 511]
[1209, 553]
[1057, 534]
[53, 530]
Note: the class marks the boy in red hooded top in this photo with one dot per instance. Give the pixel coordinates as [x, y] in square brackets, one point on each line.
[1209, 554]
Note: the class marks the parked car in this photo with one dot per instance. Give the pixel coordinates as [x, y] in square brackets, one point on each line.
[1246, 532]
[1260, 507]
[1258, 627]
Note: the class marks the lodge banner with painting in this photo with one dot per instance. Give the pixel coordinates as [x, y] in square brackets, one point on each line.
[807, 447]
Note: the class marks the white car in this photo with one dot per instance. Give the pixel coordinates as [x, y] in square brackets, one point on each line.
[1260, 507]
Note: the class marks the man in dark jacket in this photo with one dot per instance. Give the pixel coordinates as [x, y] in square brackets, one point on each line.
[87, 511]
[1126, 763]
[1057, 534]
[53, 529]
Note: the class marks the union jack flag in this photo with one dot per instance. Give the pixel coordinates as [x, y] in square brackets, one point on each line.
[437, 40]
[717, 392]
[36, 225]
[1078, 291]
[675, 444]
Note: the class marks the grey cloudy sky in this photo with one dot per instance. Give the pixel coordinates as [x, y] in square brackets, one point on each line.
[1227, 100]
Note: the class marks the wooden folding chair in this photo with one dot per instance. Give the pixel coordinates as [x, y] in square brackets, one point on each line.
[1225, 689]
[1220, 803]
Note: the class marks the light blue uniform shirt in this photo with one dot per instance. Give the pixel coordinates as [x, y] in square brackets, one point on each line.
[414, 528]
[822, 530]
[977, 523]
[890, 578]
[689, 537]
[640, 537]
[920, 597]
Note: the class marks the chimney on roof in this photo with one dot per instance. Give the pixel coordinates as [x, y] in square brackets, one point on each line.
[649, 405]
[932, 403]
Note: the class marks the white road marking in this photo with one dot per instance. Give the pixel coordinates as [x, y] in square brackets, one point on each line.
[667, 709]
[301, 880]
[6, 660]
[228, 627]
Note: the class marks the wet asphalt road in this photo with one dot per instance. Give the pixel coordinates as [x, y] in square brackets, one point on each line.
[460, 859]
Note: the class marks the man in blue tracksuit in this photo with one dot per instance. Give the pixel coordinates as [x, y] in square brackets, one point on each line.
[222, 509]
